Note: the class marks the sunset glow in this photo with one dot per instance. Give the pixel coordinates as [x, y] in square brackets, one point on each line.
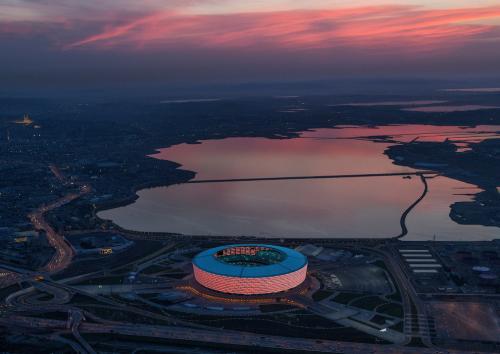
[409, 27]
[323, 34]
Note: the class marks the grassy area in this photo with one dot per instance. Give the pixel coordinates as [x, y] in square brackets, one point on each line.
[398, 326]
[103, 281]
[368, 302]
[396, 296]
[308, 319]
[275, 307]
[321, 295]
[190, 255]
[174, 275]
[116, 314]
[379, 319]
[135, 302]
[416, 342]
[79, 299]
[159, 302]
[154, 269]
[114, 262]
[4, 292]
[53, 315]
[46, 297]
[391, 309]
[149, 296]
[345, 298]
[380, 264]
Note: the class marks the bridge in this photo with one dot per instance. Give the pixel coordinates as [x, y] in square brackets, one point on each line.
[281, 178]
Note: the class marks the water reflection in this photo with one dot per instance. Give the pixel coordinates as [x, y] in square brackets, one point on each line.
[360, 207]
[430, 219]
[445, 109]
[259, 157]
[365, 207]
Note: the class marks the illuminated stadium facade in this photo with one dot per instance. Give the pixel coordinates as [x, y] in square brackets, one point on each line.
[250, 269]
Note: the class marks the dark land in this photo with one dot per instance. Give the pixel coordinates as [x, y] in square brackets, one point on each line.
[73, 282]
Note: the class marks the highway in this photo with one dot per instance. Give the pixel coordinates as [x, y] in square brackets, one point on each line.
[63, 251]
[61, 295]
[57, 173]
[282, 178]
[408, 296]
[257, 342]
[421, 314]
[75, 320]
[177, 329]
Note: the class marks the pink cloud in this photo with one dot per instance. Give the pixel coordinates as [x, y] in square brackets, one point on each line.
[402, 27]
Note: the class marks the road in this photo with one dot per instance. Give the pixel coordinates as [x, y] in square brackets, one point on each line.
[57, 173]
[74, 321]
[408, 296]
[402, 221]
[421, 313]
[63, 251]
[280, 178]
[224, 338]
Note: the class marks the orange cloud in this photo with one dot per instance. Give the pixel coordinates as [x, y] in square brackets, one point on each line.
[375, 26]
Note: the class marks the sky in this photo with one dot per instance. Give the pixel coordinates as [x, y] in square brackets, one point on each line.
[127, 41]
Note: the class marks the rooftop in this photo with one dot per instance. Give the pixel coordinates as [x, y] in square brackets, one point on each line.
[259, 260]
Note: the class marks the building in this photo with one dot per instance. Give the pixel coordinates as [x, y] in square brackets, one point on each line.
[250, 269]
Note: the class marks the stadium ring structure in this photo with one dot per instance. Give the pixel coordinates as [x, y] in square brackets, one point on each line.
[250, 269]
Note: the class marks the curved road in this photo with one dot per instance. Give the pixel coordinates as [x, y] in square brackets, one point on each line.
[64, 253]
[402, 221]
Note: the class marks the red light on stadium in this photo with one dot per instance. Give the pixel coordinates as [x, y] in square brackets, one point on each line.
[250, 269]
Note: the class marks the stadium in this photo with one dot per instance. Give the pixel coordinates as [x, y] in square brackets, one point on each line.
[250, 269]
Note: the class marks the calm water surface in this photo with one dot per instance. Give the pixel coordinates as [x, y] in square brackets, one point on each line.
[357, 207]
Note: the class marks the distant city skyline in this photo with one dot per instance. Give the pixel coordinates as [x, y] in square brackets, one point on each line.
[215, 40]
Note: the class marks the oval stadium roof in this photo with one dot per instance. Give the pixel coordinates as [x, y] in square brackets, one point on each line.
[206, 261]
